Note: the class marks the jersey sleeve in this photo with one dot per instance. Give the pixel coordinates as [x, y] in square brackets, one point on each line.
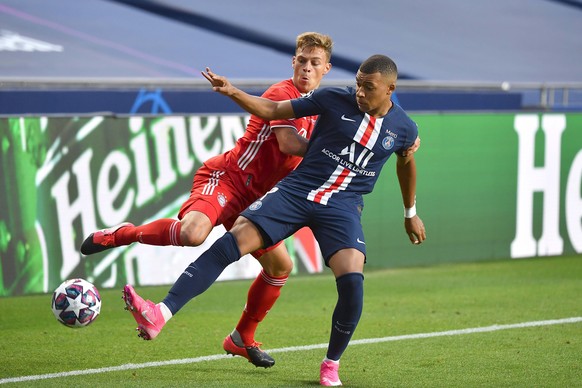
[411, 135]
[281, 94]
[309, 105]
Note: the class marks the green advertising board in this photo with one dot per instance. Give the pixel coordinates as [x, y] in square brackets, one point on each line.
[63, 178]
[490, 186]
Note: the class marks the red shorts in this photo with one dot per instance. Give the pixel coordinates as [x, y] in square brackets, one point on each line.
[216, 194]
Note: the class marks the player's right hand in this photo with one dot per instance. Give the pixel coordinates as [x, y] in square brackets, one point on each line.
[219, 83]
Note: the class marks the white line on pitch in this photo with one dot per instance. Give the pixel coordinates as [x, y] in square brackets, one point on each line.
[123, 367]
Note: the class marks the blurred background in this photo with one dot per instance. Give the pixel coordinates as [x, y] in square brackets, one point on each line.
[93, 91]
[528, 50]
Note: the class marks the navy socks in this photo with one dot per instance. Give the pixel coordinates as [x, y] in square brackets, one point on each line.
[201, 273]
[350, 289]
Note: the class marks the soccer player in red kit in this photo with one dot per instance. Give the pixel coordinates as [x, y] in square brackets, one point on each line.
[228, 183]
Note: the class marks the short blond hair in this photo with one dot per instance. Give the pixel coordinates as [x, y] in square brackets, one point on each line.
[315, 39]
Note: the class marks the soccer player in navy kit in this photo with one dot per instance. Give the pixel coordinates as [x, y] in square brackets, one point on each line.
[357, 131]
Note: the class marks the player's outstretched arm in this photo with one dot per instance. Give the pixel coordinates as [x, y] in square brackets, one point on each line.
[406, 172]
[262, 107]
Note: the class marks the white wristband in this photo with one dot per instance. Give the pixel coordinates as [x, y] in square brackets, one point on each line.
[410, 212]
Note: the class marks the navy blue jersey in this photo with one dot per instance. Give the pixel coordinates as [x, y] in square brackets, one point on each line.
[347, 148]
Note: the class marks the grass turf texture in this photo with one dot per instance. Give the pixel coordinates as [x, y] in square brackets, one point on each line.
[397, 302]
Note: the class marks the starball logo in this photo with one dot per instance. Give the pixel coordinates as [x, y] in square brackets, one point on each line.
[12, 41]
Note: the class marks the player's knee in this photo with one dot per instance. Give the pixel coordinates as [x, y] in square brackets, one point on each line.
[276, 265]
[279, 271]
[193, 234]
[194, 228]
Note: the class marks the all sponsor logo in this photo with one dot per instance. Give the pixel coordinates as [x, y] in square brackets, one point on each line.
[390, 133]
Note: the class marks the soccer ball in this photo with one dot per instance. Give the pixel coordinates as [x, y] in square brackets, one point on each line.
[76, 303]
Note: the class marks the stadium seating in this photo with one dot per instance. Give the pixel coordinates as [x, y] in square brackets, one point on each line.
[72, 57]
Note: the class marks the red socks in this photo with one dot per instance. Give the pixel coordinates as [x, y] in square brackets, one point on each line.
[165, 231]
[261, 297]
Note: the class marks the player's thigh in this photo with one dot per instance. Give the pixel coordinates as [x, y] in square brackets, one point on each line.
[336, 229]
[278, 215]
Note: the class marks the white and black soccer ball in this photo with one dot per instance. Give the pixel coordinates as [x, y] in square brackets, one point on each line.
[76, 303]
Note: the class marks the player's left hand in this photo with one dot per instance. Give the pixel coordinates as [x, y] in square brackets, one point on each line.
[415, 230]
[413, 148]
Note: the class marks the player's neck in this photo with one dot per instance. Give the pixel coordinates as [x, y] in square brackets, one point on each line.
[383, 111]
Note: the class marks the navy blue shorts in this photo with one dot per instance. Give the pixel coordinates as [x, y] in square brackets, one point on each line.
[279, 214]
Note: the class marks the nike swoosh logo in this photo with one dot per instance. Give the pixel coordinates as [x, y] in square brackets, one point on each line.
[358, 240]
[145, 316]
[347, 118]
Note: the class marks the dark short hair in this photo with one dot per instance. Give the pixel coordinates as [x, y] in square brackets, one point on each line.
[379, 64]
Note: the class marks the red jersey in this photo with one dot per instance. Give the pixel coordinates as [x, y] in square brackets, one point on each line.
[256, 161]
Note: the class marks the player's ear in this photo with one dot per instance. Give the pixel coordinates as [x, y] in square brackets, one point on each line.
[327, 68]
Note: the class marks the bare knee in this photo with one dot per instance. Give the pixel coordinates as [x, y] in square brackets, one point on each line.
[195, 228]
[247, 235]
[279, 269]
[346, 261]
[277, 262]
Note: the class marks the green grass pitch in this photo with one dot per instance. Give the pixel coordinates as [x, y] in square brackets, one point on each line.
[410, 334]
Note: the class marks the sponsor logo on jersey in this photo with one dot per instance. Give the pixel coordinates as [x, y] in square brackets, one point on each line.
[347, 119]
[390, 133]
[388, 143]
